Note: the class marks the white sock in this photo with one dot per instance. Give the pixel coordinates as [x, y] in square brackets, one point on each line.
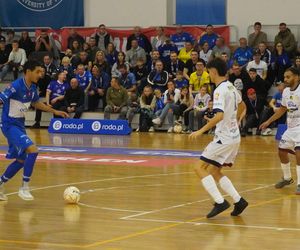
[228, 187]
[298, 174]
[210, 186]
[286, 169]
[25, 184]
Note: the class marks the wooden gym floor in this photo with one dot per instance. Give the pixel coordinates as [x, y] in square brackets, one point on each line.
[143, 199]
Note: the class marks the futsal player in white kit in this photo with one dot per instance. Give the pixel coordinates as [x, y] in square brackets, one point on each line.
[290, 141]
[228, 106]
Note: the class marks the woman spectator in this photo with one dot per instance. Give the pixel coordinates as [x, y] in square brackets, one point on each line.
[120, 61]
[26, 43]
[76, 47]
[111, 54]
[280, 62]
[205, 52]
[67, 68]
[100, 60]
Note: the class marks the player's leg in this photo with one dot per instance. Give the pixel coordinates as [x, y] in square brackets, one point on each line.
[297, 152]
[283, 152]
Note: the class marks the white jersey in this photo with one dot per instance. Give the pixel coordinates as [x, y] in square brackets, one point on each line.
[226, 100]
[291, 100]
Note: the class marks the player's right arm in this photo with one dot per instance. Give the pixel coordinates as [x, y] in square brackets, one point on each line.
[279, 112]
[8, 92]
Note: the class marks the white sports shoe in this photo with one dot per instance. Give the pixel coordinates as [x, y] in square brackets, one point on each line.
[268, 131]
[151, 129]
[170, 130]
[25, 194]
[156, 121]
[3, 197]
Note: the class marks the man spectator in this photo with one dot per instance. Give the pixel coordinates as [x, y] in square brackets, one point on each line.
[239, 77]
[208, 36]
[82, 58]
[158, 78]
[2, 38]
[93, 49]
[84, 78]
[4, 54]
[143, 41]
[166, 49]
[159, 39]
[265, 53]
[16, 59]
[42, 42]
[74, 36]
[26, 43]
[134, 53]
[260, 86]
[181, 37]
[127, 80]
[154, 57]
[287, 39]
[257, 37]
[190, 65]
[220, 48]
[185, 53]
[174, 65]
[117, 99]
[199, 78]
[51, 69]
[10, 37]
[102, 37]
[243, 54]
[260, 66]
[73, 101]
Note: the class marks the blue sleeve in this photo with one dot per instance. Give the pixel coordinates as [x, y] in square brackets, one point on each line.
[35, 96]
[50, 86]
[106, 79]
[133, 79]
[6, 94]
[89, 76]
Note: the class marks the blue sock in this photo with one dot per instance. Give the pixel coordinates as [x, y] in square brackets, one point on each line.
[11, 170]
[28, 166]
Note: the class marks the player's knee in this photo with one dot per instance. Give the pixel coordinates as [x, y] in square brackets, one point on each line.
[32, 149]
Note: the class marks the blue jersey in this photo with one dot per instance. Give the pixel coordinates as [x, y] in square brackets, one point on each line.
[243, 55]
[210, 39]
[57, 89]
[277, 97]
[128, 80]
[84, 79]
[16, 100]
[180, 84]
[165, 51]
[180, 39]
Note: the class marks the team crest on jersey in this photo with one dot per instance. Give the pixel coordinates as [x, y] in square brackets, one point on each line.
[216, 96]
[39, 5]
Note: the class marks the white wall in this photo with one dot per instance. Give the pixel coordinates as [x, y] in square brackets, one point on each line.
[243, 13]
[122, 13]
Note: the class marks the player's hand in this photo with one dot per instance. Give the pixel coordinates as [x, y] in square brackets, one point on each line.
[195, 135]
[61, 113]
[264, 125]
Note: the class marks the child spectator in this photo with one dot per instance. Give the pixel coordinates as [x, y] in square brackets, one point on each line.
[208, 115]
[180, 81]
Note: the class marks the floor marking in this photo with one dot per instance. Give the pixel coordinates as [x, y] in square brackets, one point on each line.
[110, 209]
[41, 243]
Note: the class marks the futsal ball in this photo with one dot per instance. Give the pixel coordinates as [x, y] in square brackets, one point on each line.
[72, 195]
[177, 128]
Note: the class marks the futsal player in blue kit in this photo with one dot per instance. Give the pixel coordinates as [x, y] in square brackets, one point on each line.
[16, 100]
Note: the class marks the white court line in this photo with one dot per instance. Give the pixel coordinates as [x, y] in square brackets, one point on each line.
[186, 204]
[110, 209]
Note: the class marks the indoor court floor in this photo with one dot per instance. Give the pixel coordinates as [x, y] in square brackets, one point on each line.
[140, 192]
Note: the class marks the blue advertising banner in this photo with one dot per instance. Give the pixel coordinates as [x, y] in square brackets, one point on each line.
[89, 126]
[41, 13]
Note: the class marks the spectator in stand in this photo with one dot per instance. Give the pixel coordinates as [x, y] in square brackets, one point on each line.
[74, 36]
[143, 41]
[227, 60]
[56, 91]
[69, 54]
[220, 48]
[83, 59]
[140, 72]
[102, 37]
[174, 65]
[287, 39]
[243, 54]
[26, 43]
[257, 37]
[158, 78]
[159, 39]
[205, 52]
[199, 78]
[208, 36]
[93, 49]
[99, 86]
[260, 66]
[67, 68]
[51, 70]
[239, 77]
[185, 53]
[73, 101]
[86, 48]
[208, 115]
[2, 38]
[134, 53]
[181, 37]
[100, 60]
[255, 106]
[180, 81]
[166, 49]
[16, 59]
[159, 104]
[297, 62]
[120, 61]
[117, 99]
[265, 53]
[84, 78]
[171, 97]
[154, 57]
[42, 42]
[4, 54]
[200, 106]
[190, 65]
[76, 47]
[127, 80]
[111, 54]
[133, 107]
[260, 86]
[10, 37]
[280, 62]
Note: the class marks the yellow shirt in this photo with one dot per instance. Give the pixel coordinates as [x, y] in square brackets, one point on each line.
[199, 81]
[183, 55]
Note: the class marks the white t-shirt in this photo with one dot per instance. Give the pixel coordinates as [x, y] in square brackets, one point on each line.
[226, 100]
[205, 56]
[260, 68]
[291, 100]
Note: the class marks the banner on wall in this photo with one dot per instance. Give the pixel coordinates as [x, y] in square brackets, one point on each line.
[41, 13]
[120, 36]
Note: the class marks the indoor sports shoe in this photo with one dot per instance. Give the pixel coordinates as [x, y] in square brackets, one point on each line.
[218, 208]
[156, 121]
[239, 207]
[25, 194]
[283, 183]
[298, 190]
[3, 197]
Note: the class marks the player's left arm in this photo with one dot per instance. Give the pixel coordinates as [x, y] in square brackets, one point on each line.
[41, 106]
[241, 112]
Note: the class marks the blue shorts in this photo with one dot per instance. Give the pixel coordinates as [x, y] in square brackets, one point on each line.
[18, 142]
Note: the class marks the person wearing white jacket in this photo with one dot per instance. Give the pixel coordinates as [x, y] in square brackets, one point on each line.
[16, 59]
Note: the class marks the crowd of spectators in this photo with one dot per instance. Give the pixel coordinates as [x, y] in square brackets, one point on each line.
[160, 79]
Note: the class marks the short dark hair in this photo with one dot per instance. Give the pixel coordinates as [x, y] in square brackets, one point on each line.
[294, 71]
[219, 64]
[117, 79]
[257, 23]
[209, 25]
[31, 65]
[282, 24]
[253, 70]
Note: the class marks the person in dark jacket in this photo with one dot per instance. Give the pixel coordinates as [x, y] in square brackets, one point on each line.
[158, 77]
[143, 41]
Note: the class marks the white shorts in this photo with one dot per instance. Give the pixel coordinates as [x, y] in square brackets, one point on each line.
[220, 154]
[290, 139]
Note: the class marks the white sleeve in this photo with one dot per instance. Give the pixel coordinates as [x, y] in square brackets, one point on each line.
[218, 101]
[283, 101]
